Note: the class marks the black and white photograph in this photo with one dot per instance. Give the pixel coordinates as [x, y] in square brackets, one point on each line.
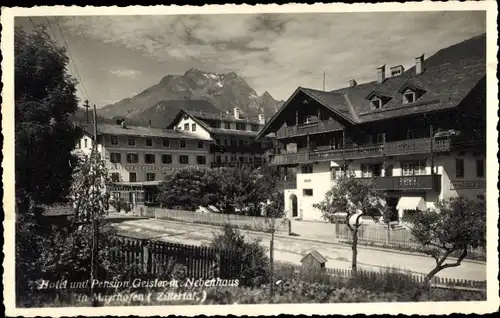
[251, 156]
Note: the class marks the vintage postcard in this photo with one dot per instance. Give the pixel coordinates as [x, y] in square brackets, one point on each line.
[294, 159]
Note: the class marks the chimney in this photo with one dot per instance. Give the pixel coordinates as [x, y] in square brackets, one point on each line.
[262, 119]
[236, 113]
[353, 83]
[150, 123]
[381, 73]
[123, 124]
[419, 64]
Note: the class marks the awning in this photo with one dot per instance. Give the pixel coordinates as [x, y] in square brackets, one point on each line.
[411, 203]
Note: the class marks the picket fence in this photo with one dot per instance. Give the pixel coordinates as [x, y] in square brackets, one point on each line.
[151, 258]
[257, 223]
[377, 235]
[438, 282]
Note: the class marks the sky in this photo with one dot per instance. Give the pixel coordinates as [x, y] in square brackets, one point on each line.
[119, 56]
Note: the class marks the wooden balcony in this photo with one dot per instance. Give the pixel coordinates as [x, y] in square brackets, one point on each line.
[404, 147]
[407, 183]
[254, 148]
[285, 185]
[311, 128]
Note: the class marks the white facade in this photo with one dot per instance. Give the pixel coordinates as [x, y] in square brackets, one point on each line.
[312, 187]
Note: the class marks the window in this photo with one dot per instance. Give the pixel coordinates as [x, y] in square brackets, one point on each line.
[150, 176]
[217, 141]
[115, 157]
[166, 142]
[376, 103]
[242, 159]
[114, 140]
[366, 172]
[307, 169]
[380, 138]
[227, 125]
[480, 168]
[85, 143]
[131, 142]
[336, 172]
[255, 127]
[184, 159]
[115, 177]
[201, 160]
[240, 126]
[307, 192]
[395, 72]
[193, 127]
[226, 142]
[166, 159]
[149, 142]
[132, 158]
[413, 168]
[148, 197]
[132, 177]
[408, 96]
[218, 159]
[79, 145]
[186, 127]
[182, 143]
[241, 143]
[149, 158]
[200, 144]
[411, 134]
[459, 168]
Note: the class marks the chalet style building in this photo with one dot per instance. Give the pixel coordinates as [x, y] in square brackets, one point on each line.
[138, 157]
[233, 135]
[418, 133]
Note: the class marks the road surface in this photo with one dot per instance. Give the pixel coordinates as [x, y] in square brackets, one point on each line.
[291, 249]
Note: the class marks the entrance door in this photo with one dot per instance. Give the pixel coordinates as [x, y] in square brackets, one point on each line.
[392, 203]
[293, 199]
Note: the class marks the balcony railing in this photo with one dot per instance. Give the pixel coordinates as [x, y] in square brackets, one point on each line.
[241, 165]
[422, 182]
[413, 146]
[311, 128]
[237, 148]
[285, 185]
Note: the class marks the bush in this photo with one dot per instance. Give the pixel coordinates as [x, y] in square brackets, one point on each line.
[408, 215]
[250, 262]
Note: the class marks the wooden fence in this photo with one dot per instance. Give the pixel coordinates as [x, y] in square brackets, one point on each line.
[256, 223]
[152, 258]
[286, 270]
[378, 235]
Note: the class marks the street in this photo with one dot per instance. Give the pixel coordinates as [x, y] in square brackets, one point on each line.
[291, 249]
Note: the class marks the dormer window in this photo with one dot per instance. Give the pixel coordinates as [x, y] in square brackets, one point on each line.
[408, 96]
[411, 93]
[376, 103]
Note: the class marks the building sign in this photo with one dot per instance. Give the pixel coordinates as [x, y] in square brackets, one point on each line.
[477, 184]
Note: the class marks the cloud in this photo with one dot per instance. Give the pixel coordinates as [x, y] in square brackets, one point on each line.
[124, 72]
[278, 52]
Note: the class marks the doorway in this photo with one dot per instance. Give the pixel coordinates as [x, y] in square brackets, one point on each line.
[392, 203]
[293, 201]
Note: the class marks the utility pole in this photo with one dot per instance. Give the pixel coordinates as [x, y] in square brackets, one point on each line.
[86, 105]
[95, 226]
[324, 80]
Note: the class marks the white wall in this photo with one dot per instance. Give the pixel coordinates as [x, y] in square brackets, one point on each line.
[200, 131]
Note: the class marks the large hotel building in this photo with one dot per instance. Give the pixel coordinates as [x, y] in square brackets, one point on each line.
[420, 133]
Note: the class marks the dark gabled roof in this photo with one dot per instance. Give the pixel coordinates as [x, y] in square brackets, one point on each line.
[139, 131]
[223, 116]
[320, 258]
[448, 77]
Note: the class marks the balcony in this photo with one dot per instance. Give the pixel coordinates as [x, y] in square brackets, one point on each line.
[311, 128]
[236, 148]
[286, 185]
[404, 147]
[240, 165]
[407, 183]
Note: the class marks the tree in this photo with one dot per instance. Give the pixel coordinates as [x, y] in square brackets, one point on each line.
[355, 198]
[250, 263]
[238, 189]
[189, 188]
[45, 95]
[454, 226]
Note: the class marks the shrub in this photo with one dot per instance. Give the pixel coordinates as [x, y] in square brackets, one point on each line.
[408, 215]
[250, 262]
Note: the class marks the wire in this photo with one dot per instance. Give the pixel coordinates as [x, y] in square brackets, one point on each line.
[34, 26]
[72, 59]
